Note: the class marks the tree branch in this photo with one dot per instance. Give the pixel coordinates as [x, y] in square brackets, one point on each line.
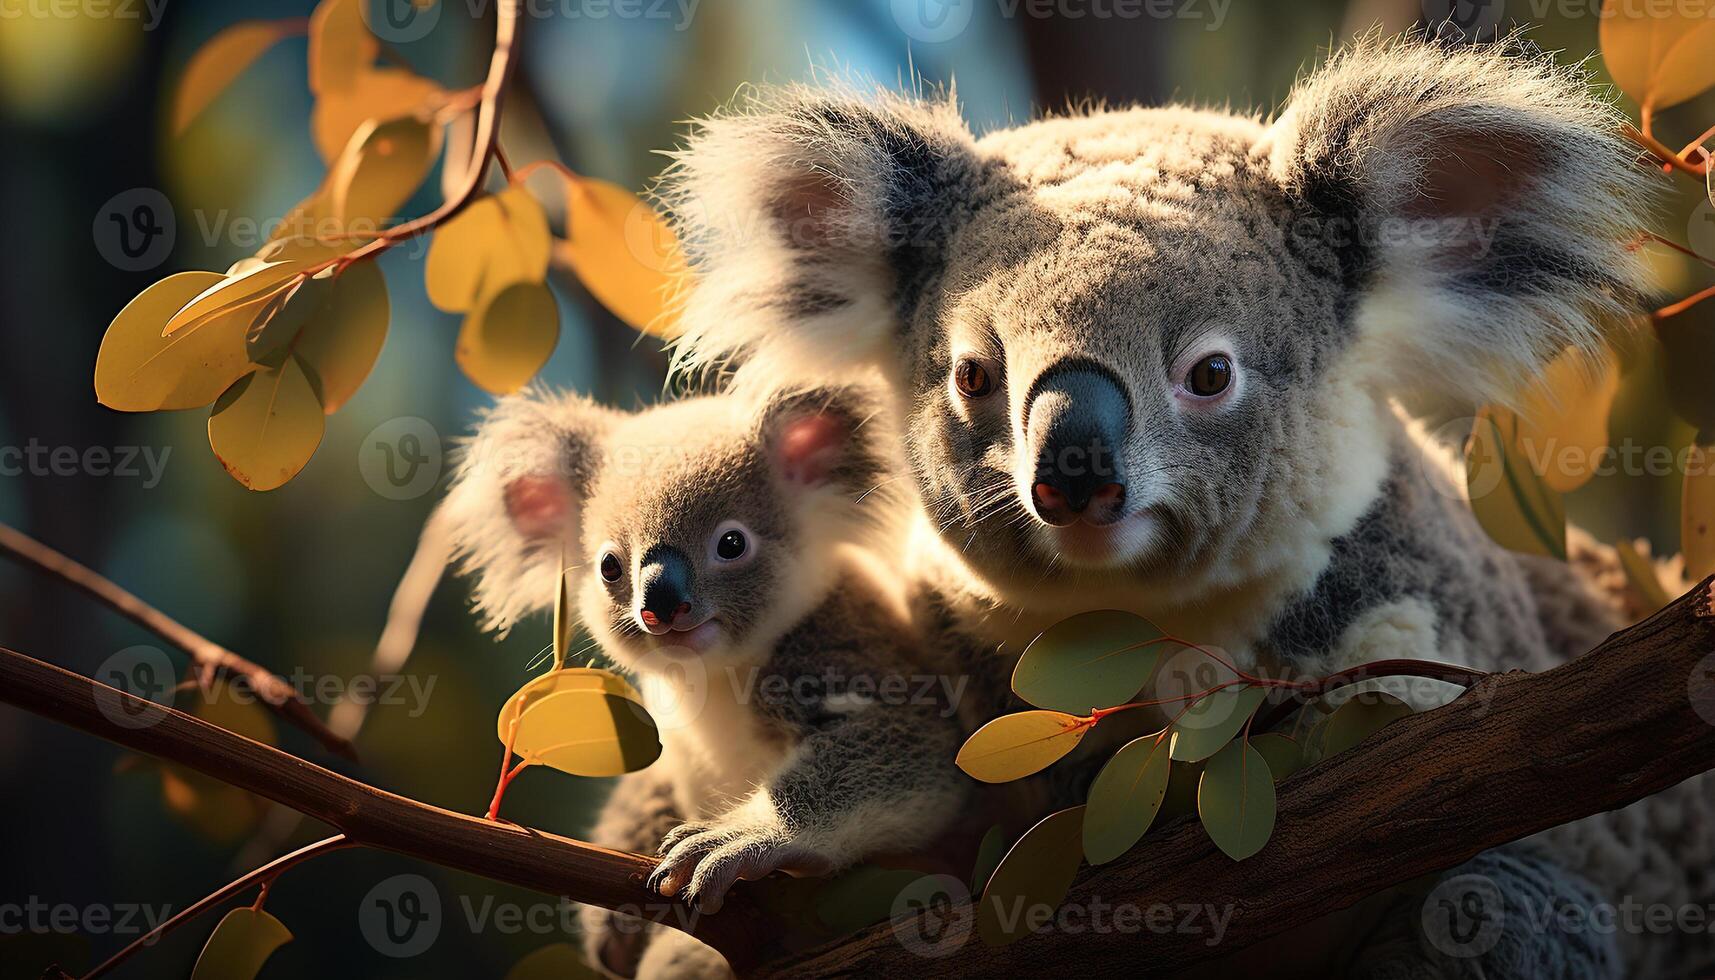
[367, 816]
[1425, 794]
[208, 656]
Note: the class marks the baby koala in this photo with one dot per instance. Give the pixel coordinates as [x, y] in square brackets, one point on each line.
[715, 550]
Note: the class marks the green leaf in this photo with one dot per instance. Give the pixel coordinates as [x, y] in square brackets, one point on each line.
[989, 853]
[1358, 719]
[1032, 879]
[1514, 504]
[1093, 660]
[1213, 721]
[1126, 797]
[1181, 798]
[240, 945]
[1284, 755]
[1236, 800]
[1016, 745]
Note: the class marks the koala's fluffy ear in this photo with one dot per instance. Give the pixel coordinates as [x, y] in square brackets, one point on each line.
[826, 437]
[1481, 200]
[516, 498]
[808, 217]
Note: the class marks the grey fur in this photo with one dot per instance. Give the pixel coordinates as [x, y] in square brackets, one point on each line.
[1421, 224]
[795, 732]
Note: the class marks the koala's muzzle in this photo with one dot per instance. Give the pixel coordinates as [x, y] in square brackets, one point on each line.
[665, 584]
[1075, 423]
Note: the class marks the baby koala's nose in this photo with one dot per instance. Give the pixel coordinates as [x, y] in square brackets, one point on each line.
[666, 588]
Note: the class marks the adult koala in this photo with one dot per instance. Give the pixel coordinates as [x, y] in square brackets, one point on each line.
[1152, 359]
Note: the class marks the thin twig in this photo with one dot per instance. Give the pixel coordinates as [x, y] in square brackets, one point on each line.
[265, 875]
[208, 656]
[1661, 150]
[1683, 305]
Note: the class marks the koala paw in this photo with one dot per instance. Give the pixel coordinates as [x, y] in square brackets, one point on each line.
[702, 860]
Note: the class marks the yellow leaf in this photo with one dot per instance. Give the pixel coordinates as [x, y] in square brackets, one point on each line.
[556, 961]
[222, 59]
[587, 733]
[378, 93]
[507, 339]
[267, 426]
[139, 370]
[254, 285]
[1037, 871]
[341, 342]
[559, 682]
[1016, 745]
[1563, 422]
[341, 46]
[382, 166]
[1641, 575]
[1697, 514]
[493, 243]
[1659, 54]
[241, 944]
[278, 320]
[622, 252]
[1512, 502]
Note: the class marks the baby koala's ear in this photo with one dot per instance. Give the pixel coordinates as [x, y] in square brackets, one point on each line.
[823, 436]
[1479, 201]
[517, 496]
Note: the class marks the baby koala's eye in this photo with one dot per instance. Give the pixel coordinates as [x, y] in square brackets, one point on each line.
[731, 546]
[1210, 376]
[972, 378]
[610, 568]
[731, 542]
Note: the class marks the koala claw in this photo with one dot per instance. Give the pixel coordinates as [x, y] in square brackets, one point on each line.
[703, 860]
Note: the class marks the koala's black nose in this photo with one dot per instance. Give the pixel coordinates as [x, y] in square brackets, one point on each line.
[665, 583]
[1075, 423]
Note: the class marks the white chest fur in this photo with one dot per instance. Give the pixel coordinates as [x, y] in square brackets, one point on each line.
[715, 746]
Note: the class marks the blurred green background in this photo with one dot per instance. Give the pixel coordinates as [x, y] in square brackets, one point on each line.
[298, 579]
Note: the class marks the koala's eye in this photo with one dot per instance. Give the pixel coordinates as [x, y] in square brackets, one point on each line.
[731, 545]
[731, 542]
[972, 378]
[1210, 376]
[610, 568]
